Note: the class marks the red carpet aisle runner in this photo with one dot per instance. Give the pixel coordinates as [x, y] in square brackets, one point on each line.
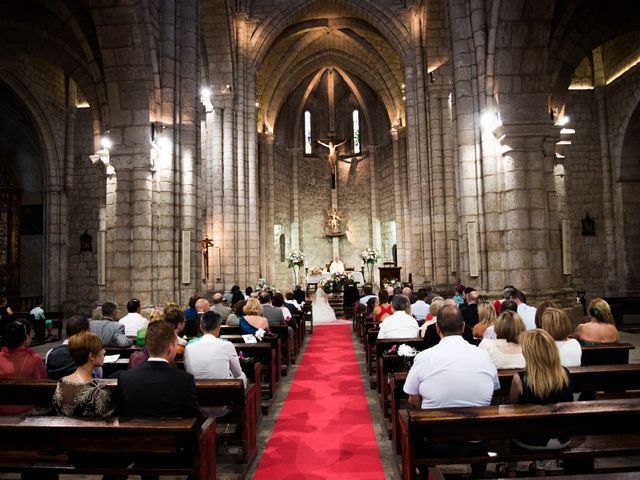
[324, 429]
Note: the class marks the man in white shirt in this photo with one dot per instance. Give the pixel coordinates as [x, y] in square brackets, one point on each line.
[336, 266]
[453, 373]
[133, 321]
[399, 324]
[210, 357]
[420, 308]
[527, 313]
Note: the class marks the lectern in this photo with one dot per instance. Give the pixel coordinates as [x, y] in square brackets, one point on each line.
[387, 273]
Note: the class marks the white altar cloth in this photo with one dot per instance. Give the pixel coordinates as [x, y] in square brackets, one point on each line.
[356, 275]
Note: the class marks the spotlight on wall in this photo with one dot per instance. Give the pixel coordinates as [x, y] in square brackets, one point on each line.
[105, 142]
[205, 98]
[563, 120]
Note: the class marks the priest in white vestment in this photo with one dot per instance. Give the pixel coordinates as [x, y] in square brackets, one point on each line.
[336, 266]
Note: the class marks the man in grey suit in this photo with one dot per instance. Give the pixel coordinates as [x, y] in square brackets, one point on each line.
[219, 308]
[272, 314]
[108, 329]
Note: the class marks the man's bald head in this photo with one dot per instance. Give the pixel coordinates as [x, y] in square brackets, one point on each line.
[202, 305]
[217, 298]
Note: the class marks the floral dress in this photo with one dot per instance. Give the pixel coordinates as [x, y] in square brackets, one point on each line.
[89, 399]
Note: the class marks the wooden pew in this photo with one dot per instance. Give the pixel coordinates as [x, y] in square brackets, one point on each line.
[307, 317]
[606, 353]
[598, 429]
[272, 340]
[116, 446]
[369, 353]
[385, 366]
[613, 380]
[211, 393]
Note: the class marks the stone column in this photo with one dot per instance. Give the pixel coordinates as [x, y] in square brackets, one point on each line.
[229, 181]
[532, 260]
[254, 251]
[399, 204]
[614, 243]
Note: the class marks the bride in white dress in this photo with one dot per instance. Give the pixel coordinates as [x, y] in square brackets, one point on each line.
[320, 308]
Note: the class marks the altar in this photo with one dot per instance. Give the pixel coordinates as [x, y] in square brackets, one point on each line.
[357, 276]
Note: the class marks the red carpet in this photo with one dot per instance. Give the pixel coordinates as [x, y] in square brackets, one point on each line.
[324, 429]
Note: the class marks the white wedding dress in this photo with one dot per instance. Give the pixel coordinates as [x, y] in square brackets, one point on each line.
[320, 308]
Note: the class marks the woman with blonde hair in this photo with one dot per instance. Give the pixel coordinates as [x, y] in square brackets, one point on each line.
[541, 309]
[557, 323]
[543, 381]
[486, 318]
[601, 328]
[252, 320]
[505, 352]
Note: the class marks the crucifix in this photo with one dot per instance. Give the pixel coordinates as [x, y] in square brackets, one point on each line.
[206, 243]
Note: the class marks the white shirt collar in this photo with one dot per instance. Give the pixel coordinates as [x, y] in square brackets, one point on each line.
[157, 359]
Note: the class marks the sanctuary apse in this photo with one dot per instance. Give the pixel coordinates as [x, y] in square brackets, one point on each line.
[487, 132]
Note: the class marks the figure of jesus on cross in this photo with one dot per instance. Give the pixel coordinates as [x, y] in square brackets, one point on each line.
[333, 157]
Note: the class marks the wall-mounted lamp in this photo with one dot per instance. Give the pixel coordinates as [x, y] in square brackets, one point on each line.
[86, 242]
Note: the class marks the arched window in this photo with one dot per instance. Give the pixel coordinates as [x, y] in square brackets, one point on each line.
[307, 132]
[283, 246]
[356, 131]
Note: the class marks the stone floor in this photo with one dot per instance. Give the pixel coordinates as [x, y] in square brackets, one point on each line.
[389, 461]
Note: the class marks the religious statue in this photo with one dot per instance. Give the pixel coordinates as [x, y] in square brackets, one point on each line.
[334, 220]
[206, 243]
[333, 151]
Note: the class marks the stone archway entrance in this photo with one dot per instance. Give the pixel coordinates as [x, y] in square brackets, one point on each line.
[9, 233]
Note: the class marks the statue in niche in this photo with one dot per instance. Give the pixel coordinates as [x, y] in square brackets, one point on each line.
[334, 221]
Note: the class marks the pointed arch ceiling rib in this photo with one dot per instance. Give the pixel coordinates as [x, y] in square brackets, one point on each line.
[311, 45]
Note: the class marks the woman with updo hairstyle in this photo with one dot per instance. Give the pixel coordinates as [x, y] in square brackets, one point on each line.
[557, 323]
[234, 318]
[252, 320]
[79, 394]
[486, 318]
[17, 360]
[372, 303]
[543, 381]
[505, 352]
[601, 328]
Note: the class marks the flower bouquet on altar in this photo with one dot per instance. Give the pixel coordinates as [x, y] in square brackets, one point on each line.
[339, 279]
[326, 284]
[295, 259]
[392, 282]
[315, 270]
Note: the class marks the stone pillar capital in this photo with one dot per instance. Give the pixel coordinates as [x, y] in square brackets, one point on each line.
[525, 136]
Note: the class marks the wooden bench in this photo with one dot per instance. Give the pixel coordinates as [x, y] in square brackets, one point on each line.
[307, 316]
[244, 403]
[116, 446]
[606, 353]
[612, 380]
[369, 350]
[390, 364]
[598, 429]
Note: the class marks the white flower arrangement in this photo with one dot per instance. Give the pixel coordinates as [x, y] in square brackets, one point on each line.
[295, 259]
[392, 282]
[369, 255]
[405, 350]
[315, 270]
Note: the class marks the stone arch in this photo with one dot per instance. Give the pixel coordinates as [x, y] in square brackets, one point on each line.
[54, 281]
[629, 186]
[289, 13]
[326, 59]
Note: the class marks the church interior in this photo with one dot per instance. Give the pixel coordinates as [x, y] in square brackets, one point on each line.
[490, 143]
[157, 149]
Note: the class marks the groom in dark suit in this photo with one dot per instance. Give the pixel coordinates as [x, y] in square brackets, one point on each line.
[155, 388]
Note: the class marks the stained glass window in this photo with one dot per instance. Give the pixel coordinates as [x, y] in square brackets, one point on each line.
[307, 132]
[356, 131]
